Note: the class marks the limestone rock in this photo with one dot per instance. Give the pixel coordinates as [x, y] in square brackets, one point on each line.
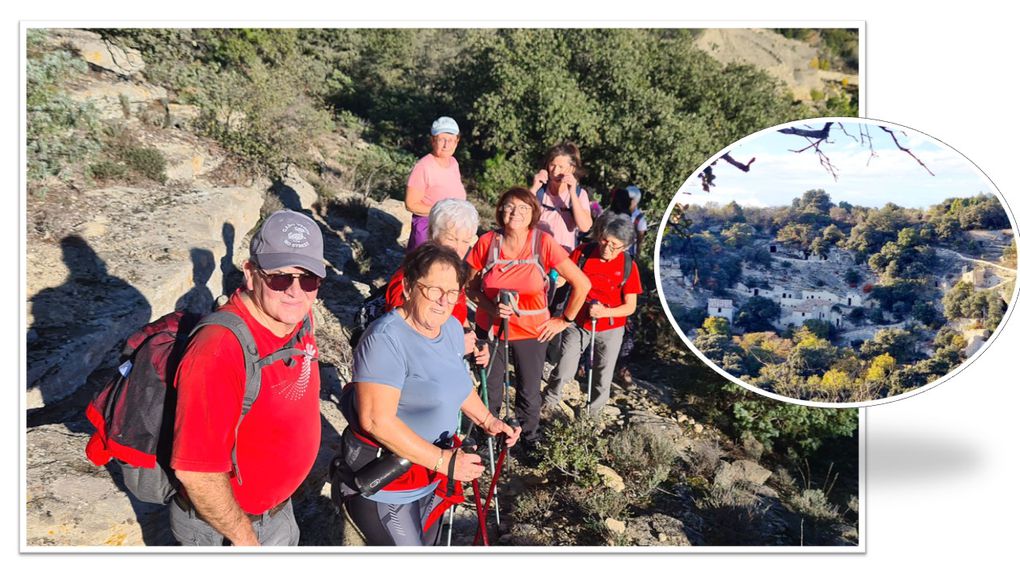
[70, 502]
[616, 526]
[182, 116]
[610, 478]
[741, 471]
[295, 192]
[186, 160]
[102, 53]
[89, 291]
[109, 96]
[391, 220]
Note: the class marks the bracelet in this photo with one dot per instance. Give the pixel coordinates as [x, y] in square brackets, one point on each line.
[488, 415]
[439, 462]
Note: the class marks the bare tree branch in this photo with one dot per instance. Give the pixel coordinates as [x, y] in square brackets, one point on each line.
[905, 150]
[744, 167]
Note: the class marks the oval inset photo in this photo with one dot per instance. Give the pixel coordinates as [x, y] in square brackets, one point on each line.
[839, 262]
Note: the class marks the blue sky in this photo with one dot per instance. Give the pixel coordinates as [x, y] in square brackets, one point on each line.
[778, 174]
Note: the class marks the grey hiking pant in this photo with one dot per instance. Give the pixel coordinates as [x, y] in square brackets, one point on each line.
[574, 341]
[281, 529]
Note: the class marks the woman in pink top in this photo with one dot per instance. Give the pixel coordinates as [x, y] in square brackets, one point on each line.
[565, 206]
[436, 176]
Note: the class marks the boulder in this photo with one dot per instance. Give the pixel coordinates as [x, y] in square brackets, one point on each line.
[611, 478]
[186, 160]
[294, 192]
[616, 526]
[390, 220]
[741, 471]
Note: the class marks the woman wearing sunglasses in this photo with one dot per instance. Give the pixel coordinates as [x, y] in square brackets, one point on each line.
[613, 297]
[513, 263]
[409, 384]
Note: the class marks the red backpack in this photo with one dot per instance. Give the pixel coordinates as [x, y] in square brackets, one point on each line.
[134, 413]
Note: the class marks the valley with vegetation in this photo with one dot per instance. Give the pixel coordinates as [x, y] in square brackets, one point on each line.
[827, 301]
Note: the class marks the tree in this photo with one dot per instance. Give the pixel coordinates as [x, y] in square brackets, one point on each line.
[819, 328]
[757, 314]
[644, 105]
[897, 343]
[852, 276]
[738, 234]
[716, 326]
[880, 368]
[832, 234]
[820, 247]
[926, 314]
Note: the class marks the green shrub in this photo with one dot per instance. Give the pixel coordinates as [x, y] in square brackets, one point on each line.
[602, 504]
[644, 458]
[575, 449]
[800, 429]
[61, 134]
[814, 504]
[146, 161]
[379, 172]
[532, 505]
[106, 170]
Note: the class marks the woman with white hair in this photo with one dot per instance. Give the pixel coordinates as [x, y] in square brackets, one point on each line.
[615, 286]
[453, 223]
[436, 176]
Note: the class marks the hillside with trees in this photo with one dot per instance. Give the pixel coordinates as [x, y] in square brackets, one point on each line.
[829, 301]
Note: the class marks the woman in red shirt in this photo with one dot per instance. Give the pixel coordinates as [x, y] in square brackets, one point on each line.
[516, 259]
[613, 297]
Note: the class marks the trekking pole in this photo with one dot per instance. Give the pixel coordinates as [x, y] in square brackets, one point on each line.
[482, 532]
[469, 445]
[483, 375]
[504, 298]
[591, 364]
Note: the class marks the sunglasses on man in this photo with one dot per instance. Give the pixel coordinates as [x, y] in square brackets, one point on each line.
[282, 281]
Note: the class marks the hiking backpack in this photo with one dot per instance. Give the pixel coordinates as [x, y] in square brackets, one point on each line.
[540, 195]
[535, 259]
[134, 413]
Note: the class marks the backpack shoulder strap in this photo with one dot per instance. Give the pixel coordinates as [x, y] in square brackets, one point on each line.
[494, 247]
[253, 364]
[536, 252]
[540, 194]
[586, 252]
[628, 265]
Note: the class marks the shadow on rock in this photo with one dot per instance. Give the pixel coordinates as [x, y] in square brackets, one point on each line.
[75, 325]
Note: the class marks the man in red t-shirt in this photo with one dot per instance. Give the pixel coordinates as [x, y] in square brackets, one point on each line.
[247, 500]
[610, 301]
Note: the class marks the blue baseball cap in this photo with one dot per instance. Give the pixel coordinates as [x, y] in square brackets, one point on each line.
[445, 125]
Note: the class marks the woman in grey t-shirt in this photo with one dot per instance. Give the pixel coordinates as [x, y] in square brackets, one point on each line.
[410, 384]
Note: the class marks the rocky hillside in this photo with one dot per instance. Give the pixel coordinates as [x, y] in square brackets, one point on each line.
[793, 62]
[105, 259]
